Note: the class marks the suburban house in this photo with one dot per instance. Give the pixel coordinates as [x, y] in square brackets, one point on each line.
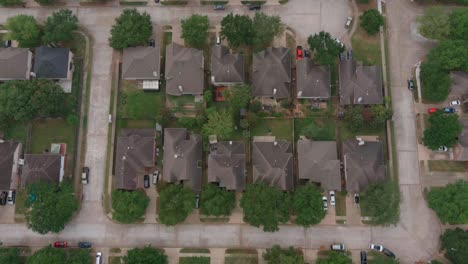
[10, 152]
[142, 64]
[226, 165]
[184, 70]
[313, 81]
[135, 157]
[54, 64]
[182, 160]
[15, 64]
[271, 75]
[360, 85]
[363, 164]
[318, 163]
[460, 150]
[272, 163]
[226, 68]
[46, 167]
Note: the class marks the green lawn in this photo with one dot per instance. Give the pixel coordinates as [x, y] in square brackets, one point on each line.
[320, 129]
[241, 259]
[114, 260]
[366, 48]
[134, 103]
[179, 101]
[134, 124]
[448, 165]
[194, 250]
[17, 131]
[280, 128]
[21, 196]
[340, 204]
[194, 260]
[346, 133]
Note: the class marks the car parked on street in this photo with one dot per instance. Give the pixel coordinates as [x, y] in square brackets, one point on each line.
[253, 7]
[363, 257]
[146, 181]
[299, 53]
[410, 84]
[219, 7]
[85, 175]
[376, 247]
[152, 43]
[60, 244]
[325, 203]
[337, 247]
[85, 244]
[449, 110]
[332, 197]
[357, 199]
[389, 253]
[456, 102]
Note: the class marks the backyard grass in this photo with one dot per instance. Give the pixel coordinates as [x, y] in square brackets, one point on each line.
[134, 124]
[115, 260]
[179, 101]
[20, 203]
[280, 128]
[319, 129]
[17, 131]
[134, 103]
[241, 259]
[340, 204]
[194, 260]
[346, 133]
[448, 165]
[366, 48]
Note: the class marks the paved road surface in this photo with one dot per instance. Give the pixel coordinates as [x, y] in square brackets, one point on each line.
[414, 238]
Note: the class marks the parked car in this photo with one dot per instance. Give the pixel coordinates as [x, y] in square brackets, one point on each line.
[152, 43]
[84, 244]
[449, 110]
[11, 197]
[299, 53]
[253, 7]
[363, 257]
[337, 247]
[410, 84]
[219, 7]
[356, 198]
[156, 175]
[3, 198]
[442, 149]
[85, 175]
[348, 23]
[432, 110]
[332, 197]
[218, 40]
[389, 253]
[456, 102]
[376, 247]
[7, 43]
[146, 181]
[306, 53]
[350, 53]
[342, 56]
[60, 244]
[99, 258]
[197, 201]
[325, 203]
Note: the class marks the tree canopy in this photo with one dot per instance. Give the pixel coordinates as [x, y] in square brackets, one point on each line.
[373, 117]
[52, 255]
[455, 245]
[237, 29]
[308, 205]
[382, 259]
[238, 97]
[45, 2]
[335, 258]
[60, 26]
[382, 201]
[435, 81]
[10, 2]
[176, 202]
[371, 20]
[147, 254]
[450, 55]
[24, 29]
[131, 28]
[266, 28]
[278, 255]
[194, 30]
[219, 123]
[10, 255]
[194, 260]
[442, 131]
[458, 20]
[216, 201]
[127, 206]
[434, 24]
[450, 203]
[52, 207]
[265, 206]
[326, 48]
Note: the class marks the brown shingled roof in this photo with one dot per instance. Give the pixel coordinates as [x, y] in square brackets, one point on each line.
[41, 167]
[15, 63]
[226, 68]
[226, 165]
[271, 75]
[360, 84]
[313, 81]
[141, 63]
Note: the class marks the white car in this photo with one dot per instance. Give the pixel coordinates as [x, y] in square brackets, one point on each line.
[443, 149]
[332, 197]
[348, 22]
[456, 102]
[325, 203]
[376, 247]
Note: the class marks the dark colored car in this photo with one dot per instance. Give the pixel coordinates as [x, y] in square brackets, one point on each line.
[307, 53]
[219, 7]
[356, 198]
[410, 84]
[197, 200]
[449, 110]
[7, 43]
[146, 181]
[84, 244]
[363, 257]
[3, 198]
[299, 53]
[60, 244]
[350, 55]
[342, 56]
[254, 7]
[387, 252]
[152, 43]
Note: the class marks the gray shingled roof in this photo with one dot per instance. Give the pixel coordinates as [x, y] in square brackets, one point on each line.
[51, 63]
[135, 152]
[15, 64]
[318, 162]
[182, 158]
[7, 151]
[141, 63]
[226, 165]
[41, 167]
[363, 164]
[226, 68]
[360, 84]
[184, 70]
[272, 164]
[313, 81]
[272, 70]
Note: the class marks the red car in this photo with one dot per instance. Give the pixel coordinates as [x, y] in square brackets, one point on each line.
[432, 110]
[299, 53]
[60, 244]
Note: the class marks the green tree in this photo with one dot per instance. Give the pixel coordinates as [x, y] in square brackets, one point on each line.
[147, 254]
[10, 256]
[194, 30]
[10, 2]
[278, 255]
[435, 81]
[219, 123]
[216, 201]
[450, 203]
[45, 2]
[458, 20]
[24, 29]
[81, 256]
[194, 260]
[60, 26]
[382, 259]
[48, 255]
[434, 24]
[208, 97]
[380, 114]
[191, 123]
[128, 207]
[450, 55]
[382, 201]
[237, 29]
[326, 48]
[354, 118]
[335, 258]
[371, 20]
[454, 242]
[53, 207]
[265, 206]
[266, 28]
[308, 205]
[73, 120]
[176, 202]
[442, 131]
[238, 97]
[130, 29]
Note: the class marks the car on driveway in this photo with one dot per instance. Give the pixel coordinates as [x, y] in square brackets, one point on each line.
[11, 197]
[253, 7]
[356, 198]
[332, 197]
[219, 7]
[432, 110]
[299, 53]
[376, 247]
[85, 175]
[325, 203]
[337, 247]
[146, 181]
[442, 149]
[449, 110]
[389, 253]
[456, 102]
[60, 244]
[85, 244]
[348, 23]
[363, 257]
[3, 198]
[410, 84]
